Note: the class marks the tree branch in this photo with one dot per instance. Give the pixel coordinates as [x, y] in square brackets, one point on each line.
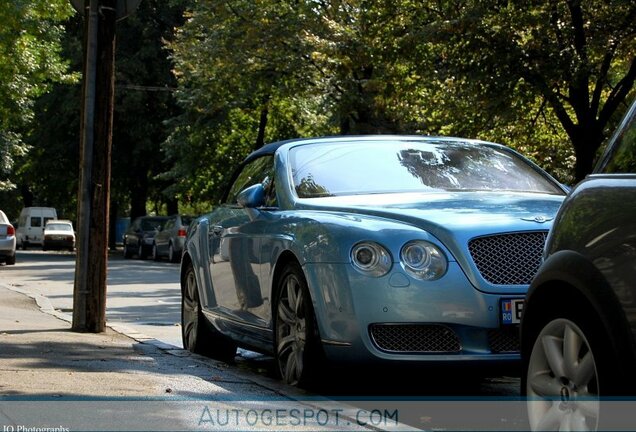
[618, 94]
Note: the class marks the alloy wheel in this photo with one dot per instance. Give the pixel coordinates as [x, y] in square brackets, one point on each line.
[190, 311]
[291, 330]
[562, 379]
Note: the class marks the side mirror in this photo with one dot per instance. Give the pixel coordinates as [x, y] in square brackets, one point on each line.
[252, 197]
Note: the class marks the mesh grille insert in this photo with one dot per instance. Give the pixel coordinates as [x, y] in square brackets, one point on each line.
[508, 259]
[414, 338]
[504, 339]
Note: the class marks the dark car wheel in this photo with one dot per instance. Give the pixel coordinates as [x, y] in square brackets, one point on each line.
[298, 351]
[197, 334]
[127, 252]
[10, 260]
[569, 368]
[141, 251]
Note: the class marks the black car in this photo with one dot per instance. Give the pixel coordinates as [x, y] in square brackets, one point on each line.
[578, 331]
[139, 237]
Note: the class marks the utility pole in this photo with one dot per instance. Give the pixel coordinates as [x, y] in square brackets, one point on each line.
[89, 293]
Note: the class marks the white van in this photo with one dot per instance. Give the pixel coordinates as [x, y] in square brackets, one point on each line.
[31, 225]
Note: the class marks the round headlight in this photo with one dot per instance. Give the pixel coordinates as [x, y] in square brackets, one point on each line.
[423, 260]
[371, 258]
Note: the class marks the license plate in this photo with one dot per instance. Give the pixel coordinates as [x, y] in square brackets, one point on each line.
[511, 309]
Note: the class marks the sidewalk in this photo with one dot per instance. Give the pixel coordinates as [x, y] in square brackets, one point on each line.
[41, 356]
[54, 380]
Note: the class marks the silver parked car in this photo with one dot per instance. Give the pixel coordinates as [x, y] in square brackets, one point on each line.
[170, 238]
[579, 323]
[7, 240]
[140, 236]
[375, 249]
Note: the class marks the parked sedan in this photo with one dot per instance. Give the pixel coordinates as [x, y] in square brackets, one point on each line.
[395, 249]
[7, 240]
[170, 238]
[139, 237]
[579, 325]
[59, 234]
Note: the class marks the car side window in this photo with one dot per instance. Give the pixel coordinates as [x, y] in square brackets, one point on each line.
[36, 222]
[260, 170]
[621, 158]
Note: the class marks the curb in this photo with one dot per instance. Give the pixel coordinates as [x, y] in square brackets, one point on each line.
[275, 386]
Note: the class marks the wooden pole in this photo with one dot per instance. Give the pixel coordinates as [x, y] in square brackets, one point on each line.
[89, 294]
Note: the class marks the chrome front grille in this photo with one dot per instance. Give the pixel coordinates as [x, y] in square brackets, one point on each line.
[414, 338]
[508, 259]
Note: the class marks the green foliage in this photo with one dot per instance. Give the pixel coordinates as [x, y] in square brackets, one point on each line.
[144, 101]
[548, 78]
[574, 61]
[30, 61]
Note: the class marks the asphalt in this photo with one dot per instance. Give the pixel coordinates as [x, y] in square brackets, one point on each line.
[48, 375]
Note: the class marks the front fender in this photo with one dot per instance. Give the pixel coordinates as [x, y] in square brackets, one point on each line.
[327, 237]
[197, 253]
[568, 277]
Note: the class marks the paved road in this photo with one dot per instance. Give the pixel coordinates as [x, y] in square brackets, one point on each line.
[145, 296]
[142, 294]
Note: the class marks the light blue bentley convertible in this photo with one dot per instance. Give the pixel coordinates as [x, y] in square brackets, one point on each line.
[368, 249]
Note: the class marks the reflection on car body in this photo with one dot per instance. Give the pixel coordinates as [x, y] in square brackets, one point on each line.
[368, 249]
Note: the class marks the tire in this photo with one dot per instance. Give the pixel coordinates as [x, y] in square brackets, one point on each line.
[197, 334]
[10, 260]
[298, 351]
[127, 252]
[155, 253]
[569, 368]
[141, 252]
[172, 256]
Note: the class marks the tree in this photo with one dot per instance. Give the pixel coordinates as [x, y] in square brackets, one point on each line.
[255, 71]
[575, 61]
[549, 77]
[30, 61]
[144, 100]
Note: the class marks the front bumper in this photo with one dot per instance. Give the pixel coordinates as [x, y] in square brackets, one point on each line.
[398, 318]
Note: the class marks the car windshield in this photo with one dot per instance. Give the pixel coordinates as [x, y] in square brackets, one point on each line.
[59, 227]
[151, 224]
[411, 166]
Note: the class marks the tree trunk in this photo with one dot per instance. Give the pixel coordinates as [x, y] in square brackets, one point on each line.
[586, 140]
[262, 124]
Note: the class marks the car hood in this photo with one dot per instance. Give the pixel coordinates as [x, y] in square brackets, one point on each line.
[454, 218]
[454, 211]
